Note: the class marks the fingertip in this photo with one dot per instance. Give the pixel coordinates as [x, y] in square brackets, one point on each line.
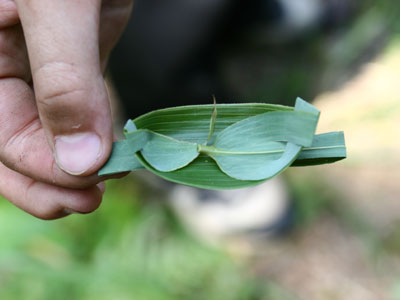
[83, 201]
[49, 202]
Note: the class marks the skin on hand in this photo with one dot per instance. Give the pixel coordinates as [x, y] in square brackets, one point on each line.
[55, 121]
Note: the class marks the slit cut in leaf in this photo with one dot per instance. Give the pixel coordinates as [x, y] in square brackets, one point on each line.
[241, 146]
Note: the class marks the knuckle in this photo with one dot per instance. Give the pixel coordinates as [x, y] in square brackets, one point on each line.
[59, 90]
[18, 149]
[61, 97]
[56, 81]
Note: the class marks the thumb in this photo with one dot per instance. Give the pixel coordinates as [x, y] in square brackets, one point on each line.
[63, 48]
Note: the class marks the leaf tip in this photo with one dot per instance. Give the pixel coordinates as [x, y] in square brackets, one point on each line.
[129, 127]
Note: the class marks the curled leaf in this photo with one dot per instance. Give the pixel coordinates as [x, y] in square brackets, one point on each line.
[241, 146]
[250, 149]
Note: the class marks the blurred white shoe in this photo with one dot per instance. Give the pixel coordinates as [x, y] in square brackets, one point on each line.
[217, 215]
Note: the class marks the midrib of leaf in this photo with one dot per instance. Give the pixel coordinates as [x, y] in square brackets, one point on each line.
[322, 148]
[211, 150]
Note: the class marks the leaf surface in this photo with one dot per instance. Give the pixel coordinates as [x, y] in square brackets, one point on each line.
[167, 154]
[176, 135]
[203, 172]
[326, 148]
[244, 150]
[122, 159]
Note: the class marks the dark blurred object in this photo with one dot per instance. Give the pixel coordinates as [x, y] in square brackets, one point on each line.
[167, 55]
[177, 52]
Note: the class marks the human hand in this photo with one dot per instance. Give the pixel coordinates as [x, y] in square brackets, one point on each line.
[55, 122]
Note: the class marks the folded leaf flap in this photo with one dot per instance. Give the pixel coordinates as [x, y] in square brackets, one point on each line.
[129, 127]
[122, 159]
[254, 132]
[302, 105]
[167, 154]
[203, 172]
[234, 149]
[326, 148]
[257, 166]
[137, 139]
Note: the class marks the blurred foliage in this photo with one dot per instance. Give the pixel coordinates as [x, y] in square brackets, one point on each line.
[317, 199]
[125, 250]
[321, 60]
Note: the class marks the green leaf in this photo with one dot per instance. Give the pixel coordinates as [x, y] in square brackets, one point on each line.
[256, 166]
[138, 139]
[192, 123]
[255, 133]
[129, 127]
[176, 135]
[247, 150]
[162, 152]
[326, 148]
[167, 154]
[203, 172]
[122, 159]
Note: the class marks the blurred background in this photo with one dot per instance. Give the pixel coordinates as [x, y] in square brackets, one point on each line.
[341, 233]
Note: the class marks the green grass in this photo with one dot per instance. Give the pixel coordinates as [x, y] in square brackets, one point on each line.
[129, 249]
